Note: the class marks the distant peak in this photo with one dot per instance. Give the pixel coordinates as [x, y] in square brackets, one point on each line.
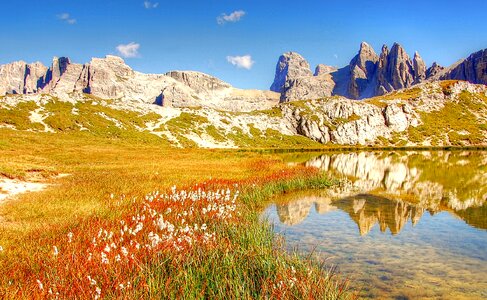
[364, 45]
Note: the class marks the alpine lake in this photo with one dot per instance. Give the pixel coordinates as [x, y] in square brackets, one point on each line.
[399, 225]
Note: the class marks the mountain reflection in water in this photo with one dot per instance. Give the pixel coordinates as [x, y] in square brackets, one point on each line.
[365, 210]
[390, 188]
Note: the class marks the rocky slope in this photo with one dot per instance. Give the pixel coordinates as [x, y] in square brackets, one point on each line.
[369, 74]
[111, 78]
[430, 114]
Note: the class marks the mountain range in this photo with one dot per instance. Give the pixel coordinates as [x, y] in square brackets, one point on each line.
[369, 74]
[412, 105]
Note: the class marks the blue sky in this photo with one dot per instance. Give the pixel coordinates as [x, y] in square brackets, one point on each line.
[186, 35]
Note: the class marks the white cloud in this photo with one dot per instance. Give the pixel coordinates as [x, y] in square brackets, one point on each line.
[233, 17]
[244, 62]
[335, 56]
[149, 4]
[67, 18]
[129, 50]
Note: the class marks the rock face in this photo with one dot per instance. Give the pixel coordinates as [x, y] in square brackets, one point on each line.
[359, 124]
[362, 71]
[308, 88]
[367, 75]
[473, 69]
[199, 82]
[395, 70]
[338, 120]
[290, 66]
[111, 78]
[419, 68]
[21, 78]
[295, 81]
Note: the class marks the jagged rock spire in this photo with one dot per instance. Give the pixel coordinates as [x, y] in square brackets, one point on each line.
[419, 68]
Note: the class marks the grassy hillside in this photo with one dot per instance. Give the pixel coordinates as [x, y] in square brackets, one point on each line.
[186, 128]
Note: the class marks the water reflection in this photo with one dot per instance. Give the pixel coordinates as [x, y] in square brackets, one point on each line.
[433, 181]
[401, 225]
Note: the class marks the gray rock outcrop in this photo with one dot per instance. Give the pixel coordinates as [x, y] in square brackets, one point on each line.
[308, 88]
[21, 78]
[434, 70]
[199, 82]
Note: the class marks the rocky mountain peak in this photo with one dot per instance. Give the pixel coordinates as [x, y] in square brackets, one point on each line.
[395, 70]
[291, 65]
[365, 59]
[419, 68]
[362, 70]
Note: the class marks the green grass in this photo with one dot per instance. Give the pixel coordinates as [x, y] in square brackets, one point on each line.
[19, 116]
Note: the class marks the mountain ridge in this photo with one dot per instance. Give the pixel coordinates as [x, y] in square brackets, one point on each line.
[370, 74]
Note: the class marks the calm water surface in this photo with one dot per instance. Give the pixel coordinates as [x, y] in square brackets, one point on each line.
[400, 226]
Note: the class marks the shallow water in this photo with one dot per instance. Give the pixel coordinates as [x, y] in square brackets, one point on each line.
[400, 226]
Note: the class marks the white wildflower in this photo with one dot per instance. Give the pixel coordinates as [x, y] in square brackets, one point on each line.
[41, 286]
[104, 258]
[91, 280]
[70, 237]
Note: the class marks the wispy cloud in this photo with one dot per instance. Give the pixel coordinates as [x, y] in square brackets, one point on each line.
[65, 17]
[149, 4]
[244, 62]
[128, 50]
[233, 17]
